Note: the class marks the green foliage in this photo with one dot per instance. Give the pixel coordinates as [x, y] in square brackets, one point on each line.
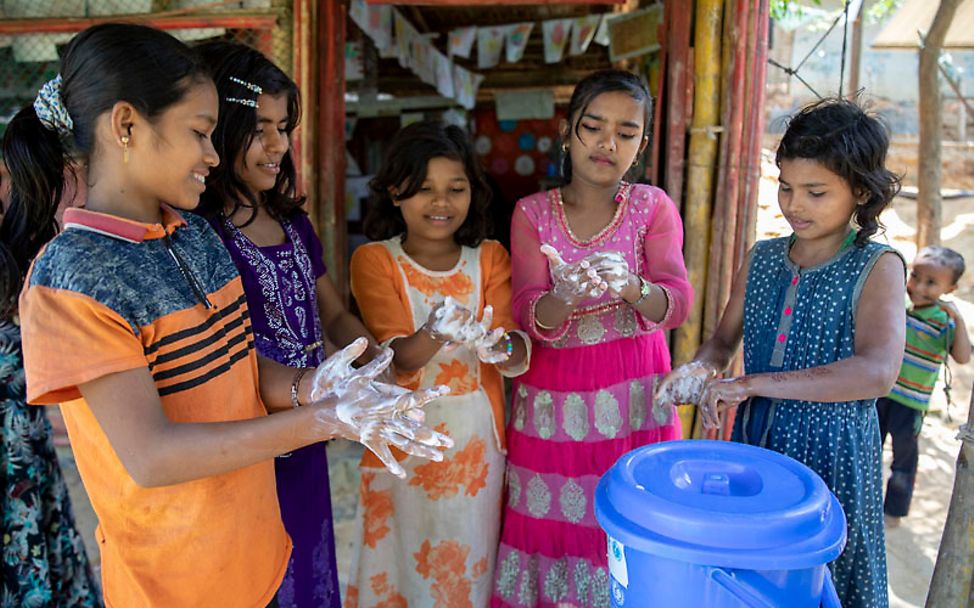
[877, 9]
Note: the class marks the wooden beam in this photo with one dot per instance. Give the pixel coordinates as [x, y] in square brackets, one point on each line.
[467, 3]
[331, 139]
[304, 71]
[70, 25]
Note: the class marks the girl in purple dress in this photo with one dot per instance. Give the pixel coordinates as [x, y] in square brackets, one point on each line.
[250, 201]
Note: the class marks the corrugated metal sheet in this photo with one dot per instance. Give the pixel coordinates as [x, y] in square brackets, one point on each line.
[901, 30]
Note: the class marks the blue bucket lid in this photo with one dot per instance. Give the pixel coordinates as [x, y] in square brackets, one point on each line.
[722, 504]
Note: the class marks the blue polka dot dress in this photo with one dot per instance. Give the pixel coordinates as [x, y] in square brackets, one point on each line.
[799, 318]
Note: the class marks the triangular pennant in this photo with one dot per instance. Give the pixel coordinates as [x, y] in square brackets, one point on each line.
[583, 30]
[602, 34]
[405, 34]
[466, 84]
[461, 41]
[517, 36]
[444, 74]
[490, 43]
[556, 33]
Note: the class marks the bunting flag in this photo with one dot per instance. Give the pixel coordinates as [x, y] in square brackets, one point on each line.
[405, 34]
[375, 20]
[423, 61]
[444, 74]
[583, 30]
[490, 43]
[461, 42]
[466, 84]
[602, 34]
[517, 40]
[556, 33]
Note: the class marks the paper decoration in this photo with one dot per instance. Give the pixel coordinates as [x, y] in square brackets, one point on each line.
[465, 85]
[482, 145]
[423, 62]
[544, 144]
[583, 30]
[375, 20]
[517, 40]
[444, 74]
[490, 43]
[556, 33]
[524, 105]
[405, 34]
[455, 117]
[524, 165]
[461, 42]
[635, 33]
[602, 34]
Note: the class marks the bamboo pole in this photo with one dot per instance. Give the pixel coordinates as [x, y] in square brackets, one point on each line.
[732, 105]
[701, 160]
[754, 127]
[331, 138]
[953, 576]
[677, 16]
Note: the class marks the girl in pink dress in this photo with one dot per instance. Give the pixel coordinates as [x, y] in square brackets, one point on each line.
[595, 303]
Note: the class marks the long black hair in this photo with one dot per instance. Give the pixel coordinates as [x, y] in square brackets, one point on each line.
[851, 143]
[101, 66]
[404, 168]
[227, 63]
[595, 84]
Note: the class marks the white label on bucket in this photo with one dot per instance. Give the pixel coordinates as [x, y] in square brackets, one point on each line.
[617, 562]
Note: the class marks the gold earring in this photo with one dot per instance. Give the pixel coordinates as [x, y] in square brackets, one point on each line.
[125, 148]
[564, 148]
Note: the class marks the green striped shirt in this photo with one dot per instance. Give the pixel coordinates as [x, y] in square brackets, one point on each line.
[929, 336]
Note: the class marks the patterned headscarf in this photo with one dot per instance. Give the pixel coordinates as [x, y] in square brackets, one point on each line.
[50, 108]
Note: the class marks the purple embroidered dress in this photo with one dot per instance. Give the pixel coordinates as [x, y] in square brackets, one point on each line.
[279, 281]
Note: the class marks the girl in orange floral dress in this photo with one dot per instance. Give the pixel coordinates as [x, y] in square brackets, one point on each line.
[431, 539]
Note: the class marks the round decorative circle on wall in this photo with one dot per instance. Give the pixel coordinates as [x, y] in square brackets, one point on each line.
[482, 145]
[499, 166]
[507, 125]
[544, 144]
[524, 165]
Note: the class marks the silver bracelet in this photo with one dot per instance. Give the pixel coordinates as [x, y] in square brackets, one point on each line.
[295, 385]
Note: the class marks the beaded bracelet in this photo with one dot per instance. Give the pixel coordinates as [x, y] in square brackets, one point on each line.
[509, 344]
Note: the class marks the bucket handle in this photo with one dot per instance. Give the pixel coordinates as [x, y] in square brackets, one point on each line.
[731, 585]
[830, 597]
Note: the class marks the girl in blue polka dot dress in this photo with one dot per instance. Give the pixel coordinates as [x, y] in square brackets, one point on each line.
[821, 316]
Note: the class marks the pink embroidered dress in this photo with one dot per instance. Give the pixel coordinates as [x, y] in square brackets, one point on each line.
[587, 398]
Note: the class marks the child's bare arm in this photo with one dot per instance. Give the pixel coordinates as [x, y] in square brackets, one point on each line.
[869, 373]
[157, 451]
[960, 350]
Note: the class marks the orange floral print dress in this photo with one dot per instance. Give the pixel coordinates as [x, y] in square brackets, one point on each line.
[431, 540]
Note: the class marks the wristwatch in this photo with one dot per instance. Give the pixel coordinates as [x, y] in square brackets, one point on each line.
[644, 288]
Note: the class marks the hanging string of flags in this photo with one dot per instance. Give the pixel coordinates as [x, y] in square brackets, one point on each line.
[394, 36]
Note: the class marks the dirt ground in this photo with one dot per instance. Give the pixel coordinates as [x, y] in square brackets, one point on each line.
[911, 548]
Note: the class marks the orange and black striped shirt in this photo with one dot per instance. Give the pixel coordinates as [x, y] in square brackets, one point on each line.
[109, 295]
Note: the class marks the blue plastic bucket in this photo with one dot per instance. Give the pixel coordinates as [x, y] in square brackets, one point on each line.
[714, 524]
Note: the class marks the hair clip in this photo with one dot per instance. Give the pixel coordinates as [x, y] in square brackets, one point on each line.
[253, 87]
[243, 102]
